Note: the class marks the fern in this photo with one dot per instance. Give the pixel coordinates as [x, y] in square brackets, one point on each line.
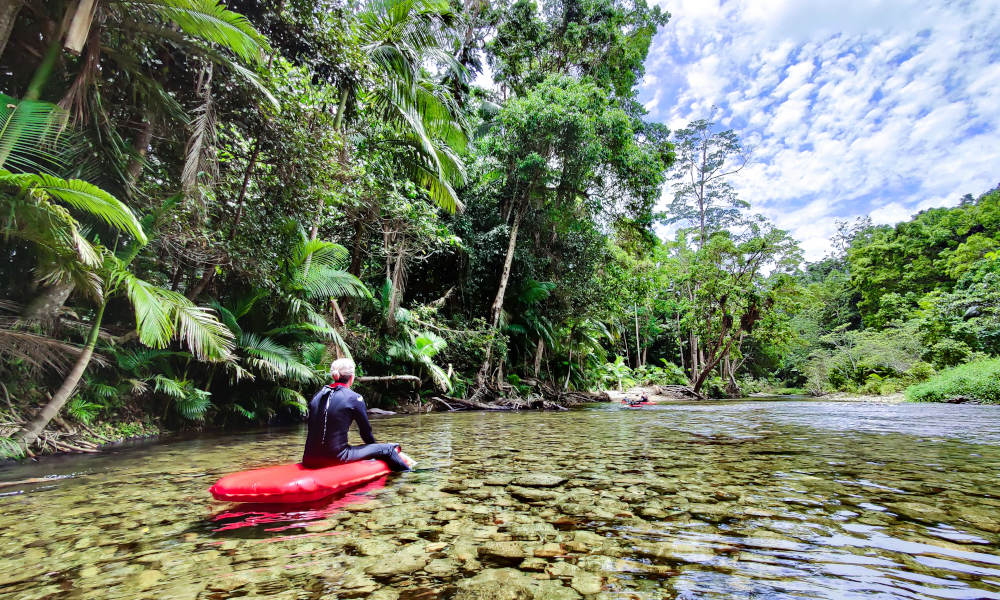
[194, 404]
[83, 410]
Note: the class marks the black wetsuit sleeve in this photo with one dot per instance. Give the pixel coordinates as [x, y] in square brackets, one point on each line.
[364, 427]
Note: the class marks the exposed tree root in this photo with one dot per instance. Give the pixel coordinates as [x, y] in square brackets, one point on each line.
[541, 396]
[64, 439]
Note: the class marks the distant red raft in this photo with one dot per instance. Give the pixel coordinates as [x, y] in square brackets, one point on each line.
[295, 483]
[634, 404]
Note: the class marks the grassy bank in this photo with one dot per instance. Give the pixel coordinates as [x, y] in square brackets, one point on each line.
[977, 381]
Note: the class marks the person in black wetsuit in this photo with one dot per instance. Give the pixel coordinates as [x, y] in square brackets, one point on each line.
[331, 412]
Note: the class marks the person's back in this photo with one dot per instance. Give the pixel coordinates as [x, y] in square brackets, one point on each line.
[331, 412]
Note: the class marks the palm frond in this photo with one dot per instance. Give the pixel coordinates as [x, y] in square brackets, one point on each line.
[228, 318]
[319, 252]
[168, 386]
[272, 359]
[161, 314]
[247, 414]
[211, 22]
[29, 130]
[324, 282]
[35, 350]
[291, 398]
[194, 404]
[83, 196]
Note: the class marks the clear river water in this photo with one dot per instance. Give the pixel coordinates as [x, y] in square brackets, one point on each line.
[748, 499]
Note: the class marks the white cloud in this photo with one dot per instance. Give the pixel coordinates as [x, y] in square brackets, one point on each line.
[884, 107]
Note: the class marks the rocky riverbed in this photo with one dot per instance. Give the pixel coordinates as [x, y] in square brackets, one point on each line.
[777, 500]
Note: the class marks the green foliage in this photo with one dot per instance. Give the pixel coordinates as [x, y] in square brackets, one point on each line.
[9, 449]
[978, 381]
[668, 374]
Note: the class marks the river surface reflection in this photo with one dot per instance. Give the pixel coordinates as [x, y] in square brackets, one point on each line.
[751, 499]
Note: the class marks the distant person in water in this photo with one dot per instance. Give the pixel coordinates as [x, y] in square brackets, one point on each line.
[331, 412]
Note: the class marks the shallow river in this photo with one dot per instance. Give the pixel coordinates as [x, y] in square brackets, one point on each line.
[792, 499]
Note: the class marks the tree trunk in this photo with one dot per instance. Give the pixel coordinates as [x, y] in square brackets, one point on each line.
[206, 278]
[396, 289]
[693, 349]
[30, 432]
[539, 351]
[569, 362]
[141, 146]
[79, 27]
[359, 230]
[638, 352]
[45, 306]
[497, 306]
[243, 190]
[9, 10]
[680, 344]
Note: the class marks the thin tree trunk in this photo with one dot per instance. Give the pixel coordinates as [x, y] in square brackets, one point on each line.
[359, 230]
[569, 362]
[243, 190]
[539, 351]
[206, 278]
[680, 343]
[9, 10]
[638, 352]
[141, 146]
[396, 289]
[30, 432]
[693, 349]
[497, 306]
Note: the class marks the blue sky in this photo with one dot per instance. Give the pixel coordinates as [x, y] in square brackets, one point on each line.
[879, 108]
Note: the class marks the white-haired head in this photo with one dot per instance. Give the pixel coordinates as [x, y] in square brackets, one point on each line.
[342, 370]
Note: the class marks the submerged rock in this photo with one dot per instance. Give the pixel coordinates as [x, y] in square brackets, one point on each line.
[918, 512]
[545, 480]
[531, 494]
[586, 583]
[497, 584]
[411, 558]
[503, 550]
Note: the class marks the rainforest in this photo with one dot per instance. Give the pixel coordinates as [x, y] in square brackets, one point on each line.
[203, 204]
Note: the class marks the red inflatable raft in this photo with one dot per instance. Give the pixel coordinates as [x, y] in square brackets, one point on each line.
[295, 483]
[635, 404]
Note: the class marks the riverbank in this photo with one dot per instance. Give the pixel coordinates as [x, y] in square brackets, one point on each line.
[660, 395]
[656, 394]
[896, 398]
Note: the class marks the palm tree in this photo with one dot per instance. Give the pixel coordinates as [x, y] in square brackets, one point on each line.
[398, 38]
[420, 348]
[32, 136]
[317, 270]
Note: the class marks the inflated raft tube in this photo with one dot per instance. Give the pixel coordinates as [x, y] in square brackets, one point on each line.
[295, 483]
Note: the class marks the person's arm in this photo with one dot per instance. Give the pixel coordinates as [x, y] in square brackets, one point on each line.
[364, 427]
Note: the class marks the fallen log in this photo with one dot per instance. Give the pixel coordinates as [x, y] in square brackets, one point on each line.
[678, 391]
[24, 481]
[387, 378]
